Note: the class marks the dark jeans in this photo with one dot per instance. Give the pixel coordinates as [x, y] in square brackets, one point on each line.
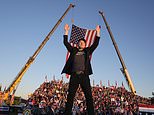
[84, 82]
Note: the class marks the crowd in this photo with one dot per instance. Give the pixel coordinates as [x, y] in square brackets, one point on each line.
[50, 97]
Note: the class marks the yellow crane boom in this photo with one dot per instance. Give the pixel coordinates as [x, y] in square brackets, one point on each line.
[19, 76]
[124, 69]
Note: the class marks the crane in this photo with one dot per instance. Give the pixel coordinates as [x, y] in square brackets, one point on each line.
[12, 87]
[123, 69]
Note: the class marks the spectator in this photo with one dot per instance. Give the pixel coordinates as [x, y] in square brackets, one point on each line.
[50, 98]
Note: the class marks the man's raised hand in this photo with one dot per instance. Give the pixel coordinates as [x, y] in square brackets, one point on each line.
[66, 28]
[98, 30]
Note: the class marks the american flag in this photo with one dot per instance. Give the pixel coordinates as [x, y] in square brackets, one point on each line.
[78, 33]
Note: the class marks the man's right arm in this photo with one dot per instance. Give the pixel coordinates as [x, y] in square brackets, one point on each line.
[66, 43]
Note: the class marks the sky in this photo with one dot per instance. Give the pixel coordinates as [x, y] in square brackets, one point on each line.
[25, 24]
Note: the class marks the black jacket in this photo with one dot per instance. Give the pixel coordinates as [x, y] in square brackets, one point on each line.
[73, 50]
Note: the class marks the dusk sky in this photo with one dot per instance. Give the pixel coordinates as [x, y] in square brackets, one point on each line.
[25, 23]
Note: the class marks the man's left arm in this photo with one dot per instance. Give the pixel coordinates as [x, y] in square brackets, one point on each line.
[96, 42]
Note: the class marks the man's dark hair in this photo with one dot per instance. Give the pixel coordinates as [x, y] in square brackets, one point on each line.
[82, 40]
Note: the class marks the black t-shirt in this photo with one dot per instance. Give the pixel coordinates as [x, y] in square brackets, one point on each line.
[79, 62]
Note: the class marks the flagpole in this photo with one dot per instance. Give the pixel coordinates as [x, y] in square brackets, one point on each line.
[124, 69]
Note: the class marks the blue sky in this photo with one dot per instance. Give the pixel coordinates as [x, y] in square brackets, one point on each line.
[25, 24]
